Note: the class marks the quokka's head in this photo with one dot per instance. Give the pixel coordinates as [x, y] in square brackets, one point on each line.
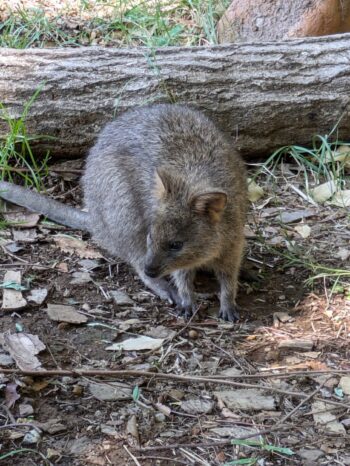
[185, 228]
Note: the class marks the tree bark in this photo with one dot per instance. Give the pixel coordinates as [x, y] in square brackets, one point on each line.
[264, 95]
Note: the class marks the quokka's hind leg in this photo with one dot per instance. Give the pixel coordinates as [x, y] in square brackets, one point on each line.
[185, 288]
[160, 287]
[227, 273]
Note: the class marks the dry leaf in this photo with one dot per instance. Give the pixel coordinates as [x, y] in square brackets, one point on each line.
[163, 409]
[132, 428]
[137, 344]
[11, 395]
[255, 192]
[23, 347]
[62, 267]
[37, 296]
[344, 384]
[341, 199]
[341, 154]
[73, 245]
[23, 219]
[343, 254]
[323, 416]
[303, 230]
[323, 192]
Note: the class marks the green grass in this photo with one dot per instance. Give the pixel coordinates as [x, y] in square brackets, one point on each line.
[5, 224]
[20, 451]
[337, 279]
[29, 28]
[16, 155]
[320, 163]
[152, 24]
[327, 159]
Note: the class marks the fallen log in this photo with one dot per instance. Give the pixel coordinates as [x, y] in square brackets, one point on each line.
[264, 95]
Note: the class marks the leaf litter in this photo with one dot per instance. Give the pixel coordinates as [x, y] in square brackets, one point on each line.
[287, 332]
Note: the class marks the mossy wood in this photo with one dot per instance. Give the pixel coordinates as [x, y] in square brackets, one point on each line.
[264, 95]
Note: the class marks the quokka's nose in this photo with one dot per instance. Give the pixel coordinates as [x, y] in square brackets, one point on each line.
[151, 271]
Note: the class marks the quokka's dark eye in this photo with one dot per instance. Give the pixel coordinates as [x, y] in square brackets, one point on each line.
[175, 246]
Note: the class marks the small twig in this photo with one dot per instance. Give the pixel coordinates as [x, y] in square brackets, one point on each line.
[13, 255]
[303, 195]
[185, 445]
[8, 412]
[52, 356]
[209, 378]
[75, 171]
[153, 375]
[135, 460]
[188, 323]
[212, 444]
[20, 424]
[162, 458]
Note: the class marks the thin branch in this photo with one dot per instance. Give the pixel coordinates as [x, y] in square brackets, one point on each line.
[152, 375]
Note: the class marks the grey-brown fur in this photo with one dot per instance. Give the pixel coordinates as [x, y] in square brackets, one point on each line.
[160, 175]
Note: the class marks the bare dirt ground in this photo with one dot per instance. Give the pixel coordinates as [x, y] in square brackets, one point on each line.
[283, 370]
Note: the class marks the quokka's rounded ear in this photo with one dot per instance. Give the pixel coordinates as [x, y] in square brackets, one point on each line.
[159, 185]
[167, 182]
[211, 204]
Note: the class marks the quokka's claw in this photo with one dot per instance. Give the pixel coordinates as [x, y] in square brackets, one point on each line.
[230, 314]
[186, 311]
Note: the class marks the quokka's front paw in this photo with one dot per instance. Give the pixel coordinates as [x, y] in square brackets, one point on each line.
[186, 311]
[229, 313]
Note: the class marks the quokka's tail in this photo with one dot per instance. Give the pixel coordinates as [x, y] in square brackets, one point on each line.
[52, 209]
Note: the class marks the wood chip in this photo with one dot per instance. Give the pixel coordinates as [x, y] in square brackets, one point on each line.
[197, 406]
[120, 298]
[290, 217]
[112, 391]
[250, 399]
[63, 313]
[296, 345]
[344, 384]
[27, 235]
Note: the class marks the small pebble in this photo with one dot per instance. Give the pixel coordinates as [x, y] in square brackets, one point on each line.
[32, 437]
[52, 454]
[77, 390]
[159, 417]
[193, 334]
[68, 380]
[86, 307]
[25, 410]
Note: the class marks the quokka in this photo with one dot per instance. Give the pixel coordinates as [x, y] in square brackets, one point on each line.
[166, 192]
